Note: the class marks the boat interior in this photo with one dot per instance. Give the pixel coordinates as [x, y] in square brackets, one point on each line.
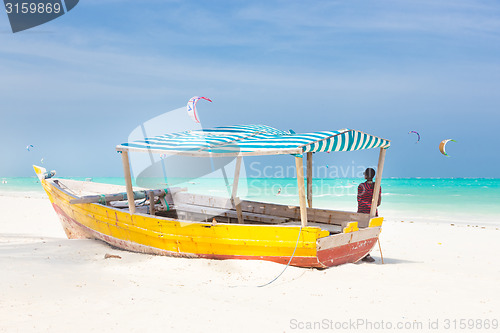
[178, 204]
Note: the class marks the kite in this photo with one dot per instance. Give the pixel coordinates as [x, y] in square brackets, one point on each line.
[191, 107]
[28, 147]
[442, 146]
[418, 135]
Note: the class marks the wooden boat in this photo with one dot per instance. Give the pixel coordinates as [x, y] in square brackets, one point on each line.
[174, 222]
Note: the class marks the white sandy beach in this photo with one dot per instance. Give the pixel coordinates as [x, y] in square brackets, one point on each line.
[51, 284]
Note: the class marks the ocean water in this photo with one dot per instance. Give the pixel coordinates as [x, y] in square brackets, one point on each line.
[465, 200]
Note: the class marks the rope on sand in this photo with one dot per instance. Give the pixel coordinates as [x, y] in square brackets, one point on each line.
[289, 261]
[284, 269]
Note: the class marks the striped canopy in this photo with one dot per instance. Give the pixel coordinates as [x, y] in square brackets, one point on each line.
[247, 140]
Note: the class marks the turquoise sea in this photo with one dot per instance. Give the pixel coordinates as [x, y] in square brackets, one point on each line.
[463, 200]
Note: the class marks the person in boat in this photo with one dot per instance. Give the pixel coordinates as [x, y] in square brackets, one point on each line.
[365, 196]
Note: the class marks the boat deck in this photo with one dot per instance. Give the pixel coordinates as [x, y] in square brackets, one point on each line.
[180, 205]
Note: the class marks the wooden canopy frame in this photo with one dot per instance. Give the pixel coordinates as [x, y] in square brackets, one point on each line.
[304, 201]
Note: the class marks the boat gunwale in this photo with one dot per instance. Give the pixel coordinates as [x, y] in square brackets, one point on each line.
[125, 210]
[53, 182]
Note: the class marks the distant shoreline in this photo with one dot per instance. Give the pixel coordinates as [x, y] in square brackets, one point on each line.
[450, 200]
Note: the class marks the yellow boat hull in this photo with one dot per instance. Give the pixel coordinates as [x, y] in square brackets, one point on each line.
[172, 237]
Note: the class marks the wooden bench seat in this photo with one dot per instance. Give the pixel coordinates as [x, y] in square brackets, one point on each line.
[230, 213]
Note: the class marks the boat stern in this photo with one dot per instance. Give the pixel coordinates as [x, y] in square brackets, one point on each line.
[349, 246]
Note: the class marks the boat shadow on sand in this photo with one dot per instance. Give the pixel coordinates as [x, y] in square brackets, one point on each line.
[390, 261]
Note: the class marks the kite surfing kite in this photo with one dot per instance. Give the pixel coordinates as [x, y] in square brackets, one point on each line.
[28, 147]
[442, 146]
[191, 107]
[418, 135]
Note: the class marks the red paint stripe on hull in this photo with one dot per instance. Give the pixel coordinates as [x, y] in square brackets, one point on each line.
[348, 253]
[296, 261]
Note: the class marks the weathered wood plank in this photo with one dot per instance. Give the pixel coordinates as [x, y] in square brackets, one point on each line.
[234, 198]
[82, 188]
[302, 196]
[212, 211]
[128, 182]
[239, 212]
[352, 237]
[151, 196]
[202, 200]
[205, 153]
[378, 179]
[292, 212]
[309, 171]
[121, 196]
[313, 214]
[114, 197]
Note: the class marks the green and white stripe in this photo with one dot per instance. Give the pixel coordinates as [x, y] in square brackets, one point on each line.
[247, 140]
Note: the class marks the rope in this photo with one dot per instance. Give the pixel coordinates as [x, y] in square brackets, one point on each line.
[165, 198]
[289, 261]
[102, 199]
[143, 202]
[284, 269]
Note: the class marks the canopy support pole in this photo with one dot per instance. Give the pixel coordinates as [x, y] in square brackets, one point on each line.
[309, 171]
[128, 182]
[151, 196]
[234, 198]
[302, 196]
[378, 179]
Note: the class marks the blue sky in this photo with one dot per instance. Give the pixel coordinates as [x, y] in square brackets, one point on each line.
[77, 86]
